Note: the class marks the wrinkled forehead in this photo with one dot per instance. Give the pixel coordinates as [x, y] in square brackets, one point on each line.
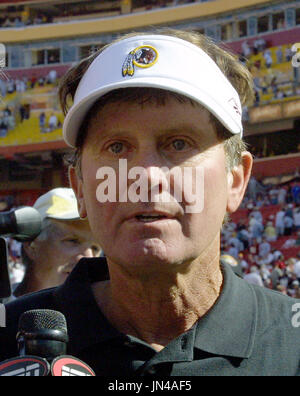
[140, 98]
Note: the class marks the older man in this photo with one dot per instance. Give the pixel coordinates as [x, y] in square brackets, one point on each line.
[157, 117]
[63, 241]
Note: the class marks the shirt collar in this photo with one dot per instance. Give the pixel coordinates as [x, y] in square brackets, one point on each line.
[86, 323]
[227, 329]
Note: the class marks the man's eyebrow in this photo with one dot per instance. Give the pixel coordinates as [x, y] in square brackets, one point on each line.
[111, 134]
[185, 128]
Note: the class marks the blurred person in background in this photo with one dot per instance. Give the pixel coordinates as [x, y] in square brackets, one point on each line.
[297, 265]
[257, 214]
[63, 241]
[279, 221]
[270, 232]
[296, 217]
[52, 122]
[264, 248]
[254, 277]
[14, 248]
[296, 289]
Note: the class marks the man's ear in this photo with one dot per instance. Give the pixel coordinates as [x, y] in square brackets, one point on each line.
[29, 249]
[238, 178]
[76, 183]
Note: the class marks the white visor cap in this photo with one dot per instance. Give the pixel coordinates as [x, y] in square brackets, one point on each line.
[156, 61]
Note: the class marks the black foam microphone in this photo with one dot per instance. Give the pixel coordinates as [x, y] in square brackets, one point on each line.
[23, 224]
[42, 336]
[42, 342]
[43, 333]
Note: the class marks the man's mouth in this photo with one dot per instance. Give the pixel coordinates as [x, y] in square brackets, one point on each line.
[147, 218]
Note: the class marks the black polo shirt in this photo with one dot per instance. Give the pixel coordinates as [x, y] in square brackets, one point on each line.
[250, 330]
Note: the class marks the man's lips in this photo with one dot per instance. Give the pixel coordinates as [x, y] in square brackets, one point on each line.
[150, 216]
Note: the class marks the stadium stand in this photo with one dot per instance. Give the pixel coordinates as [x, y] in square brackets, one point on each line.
[26, 106]
[29, 14]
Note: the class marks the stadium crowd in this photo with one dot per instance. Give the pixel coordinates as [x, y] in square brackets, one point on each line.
[12, 85]
[261, 242]
[7, 121]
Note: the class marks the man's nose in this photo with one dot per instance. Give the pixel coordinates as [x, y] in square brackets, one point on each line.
[85, 252]
[149, 157]
[152, 171]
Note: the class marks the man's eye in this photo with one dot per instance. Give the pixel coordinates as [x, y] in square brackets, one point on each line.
[179, 144]
[96, 250]
[116, 147]
[73, 241]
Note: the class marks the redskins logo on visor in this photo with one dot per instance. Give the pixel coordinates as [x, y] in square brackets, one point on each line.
[143, 56]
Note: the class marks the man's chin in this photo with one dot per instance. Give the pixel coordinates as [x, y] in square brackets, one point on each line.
[147, 260]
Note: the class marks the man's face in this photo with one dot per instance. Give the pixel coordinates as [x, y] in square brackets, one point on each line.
[59, 248]
[152, 137]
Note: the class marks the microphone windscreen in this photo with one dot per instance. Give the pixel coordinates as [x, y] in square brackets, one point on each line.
[28, 222]
[42, 319]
